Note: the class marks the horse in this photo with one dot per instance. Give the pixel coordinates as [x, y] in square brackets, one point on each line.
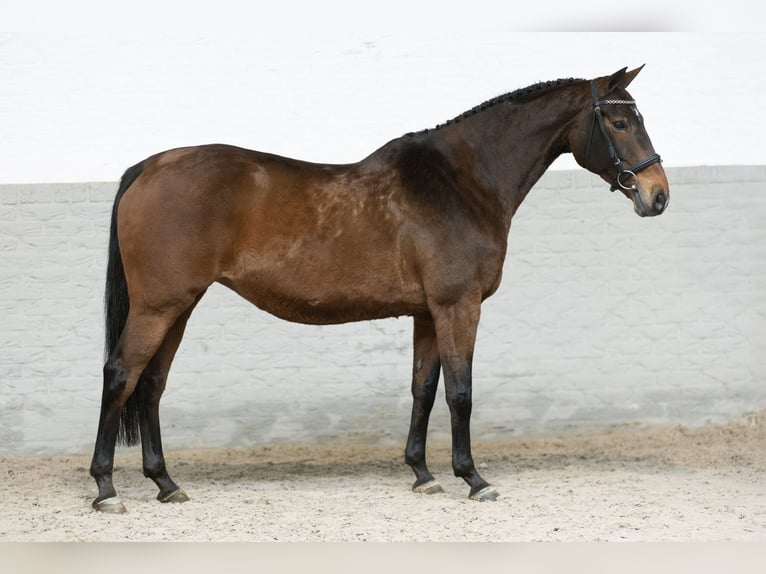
[418, 228]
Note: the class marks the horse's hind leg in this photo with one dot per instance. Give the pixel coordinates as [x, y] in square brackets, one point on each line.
[425, 380]
[152, 385]
[144, 332]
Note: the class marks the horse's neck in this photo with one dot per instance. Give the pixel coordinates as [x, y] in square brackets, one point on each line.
[513, 145]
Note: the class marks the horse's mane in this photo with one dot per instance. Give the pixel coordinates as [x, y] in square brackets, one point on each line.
[517, 96]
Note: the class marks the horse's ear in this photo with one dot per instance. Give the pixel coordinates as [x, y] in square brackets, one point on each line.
[623, 78]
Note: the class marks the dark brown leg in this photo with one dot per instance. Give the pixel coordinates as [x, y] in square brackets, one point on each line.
[113, 398]
[153, 383]
[143, 334]
[456, 327]
[425, 380]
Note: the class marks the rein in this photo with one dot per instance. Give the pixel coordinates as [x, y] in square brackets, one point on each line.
[598, 119]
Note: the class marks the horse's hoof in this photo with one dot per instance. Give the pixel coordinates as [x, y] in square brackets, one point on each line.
[111, 505]
[430, 487]
[175, 496]
[488, 493]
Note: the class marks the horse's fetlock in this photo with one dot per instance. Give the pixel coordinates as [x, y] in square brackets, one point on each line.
[415, 455]
[154, 470]
[463, 470]
[100, 469]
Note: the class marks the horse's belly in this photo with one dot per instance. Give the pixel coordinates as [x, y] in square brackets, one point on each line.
[319, 291]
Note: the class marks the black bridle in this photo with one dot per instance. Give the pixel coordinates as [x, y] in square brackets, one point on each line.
[623, 172]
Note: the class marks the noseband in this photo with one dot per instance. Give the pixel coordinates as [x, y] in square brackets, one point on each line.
[623, 172]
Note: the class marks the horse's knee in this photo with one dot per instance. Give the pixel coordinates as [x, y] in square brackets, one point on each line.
[424, 390]
[460, 402]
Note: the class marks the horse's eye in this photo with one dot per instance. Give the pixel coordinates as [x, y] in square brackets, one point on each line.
[620, 125]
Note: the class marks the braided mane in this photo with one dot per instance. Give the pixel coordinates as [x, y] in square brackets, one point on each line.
[517, 96]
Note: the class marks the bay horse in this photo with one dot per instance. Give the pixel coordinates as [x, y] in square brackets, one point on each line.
[417, 228]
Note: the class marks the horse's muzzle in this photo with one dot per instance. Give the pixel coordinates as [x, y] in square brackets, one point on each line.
[660, 201]
[657, 204]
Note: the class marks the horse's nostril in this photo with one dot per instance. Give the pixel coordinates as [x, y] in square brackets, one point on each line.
[660, 200]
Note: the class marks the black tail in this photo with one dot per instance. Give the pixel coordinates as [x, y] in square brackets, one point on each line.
[116, 307]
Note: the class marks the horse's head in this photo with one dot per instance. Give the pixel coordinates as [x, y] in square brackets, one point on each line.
[609, 139]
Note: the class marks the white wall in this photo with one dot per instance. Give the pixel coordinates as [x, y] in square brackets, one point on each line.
[87, 91]
[602, 318]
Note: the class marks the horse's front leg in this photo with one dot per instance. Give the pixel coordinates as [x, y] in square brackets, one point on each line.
[456, 327]
[425, 380]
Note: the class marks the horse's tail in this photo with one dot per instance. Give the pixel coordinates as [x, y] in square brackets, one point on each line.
[116, 307]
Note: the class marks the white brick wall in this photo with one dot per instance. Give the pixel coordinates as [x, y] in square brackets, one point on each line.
[602, 318]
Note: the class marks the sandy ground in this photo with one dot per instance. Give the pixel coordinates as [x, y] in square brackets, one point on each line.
[659, 484]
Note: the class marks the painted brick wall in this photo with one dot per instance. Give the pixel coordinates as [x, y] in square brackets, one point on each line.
[603, 318]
